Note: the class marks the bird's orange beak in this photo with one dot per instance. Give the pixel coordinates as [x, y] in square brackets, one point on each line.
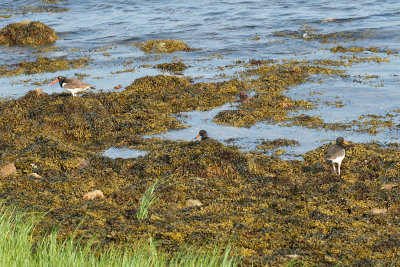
[197, 136]
[344, 142]
[53, 82]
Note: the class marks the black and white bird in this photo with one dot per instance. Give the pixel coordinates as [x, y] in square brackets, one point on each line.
[336, 153]
[204, 137]
[72, 85]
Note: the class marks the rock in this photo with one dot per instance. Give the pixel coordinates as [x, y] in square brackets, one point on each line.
[286, 105]
[163, 46]
[34, 175]
[39, 92]
[27, 32]
[318, 215]
[192, 203]
[377, 211]
[293, 256]
[93, 194]
[214, 171]
[243, 96]
[247, 100]
[317, 167]
[389, 187]
[8, 169]
[83, 163]
[25, 22]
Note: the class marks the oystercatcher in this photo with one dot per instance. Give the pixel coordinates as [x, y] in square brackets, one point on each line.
[336, 154]
[204, 137]
[72, 85]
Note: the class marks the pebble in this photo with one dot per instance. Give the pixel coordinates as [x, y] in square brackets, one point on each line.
[377, 211]
[34, 175]
[191, 203]
[8, 169]
[39, 92]
[389, 187]
[93, 194]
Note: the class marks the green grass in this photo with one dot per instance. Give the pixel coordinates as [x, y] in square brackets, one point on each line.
[18, 247]
[147, 199]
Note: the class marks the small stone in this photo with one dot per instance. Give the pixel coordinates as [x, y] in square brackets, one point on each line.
[389, 187]
[39, 92]
[286, 105]
[318, 215]
[247, 100]
[328, 20]
[214, 171]
[293, 256]
[243, 96]
[377, 211]
[83, 163]
[25, 22]
[93, 194]
[317, 167]
[8, 169]
[34, 175]
[191, 203]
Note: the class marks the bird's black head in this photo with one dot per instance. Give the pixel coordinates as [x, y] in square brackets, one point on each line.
[61, 80]
[340, 141]
[202, 134]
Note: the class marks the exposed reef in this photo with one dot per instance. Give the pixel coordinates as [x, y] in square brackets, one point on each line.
[27, 32]
[163, 46]
[42, 64]
[269, 208]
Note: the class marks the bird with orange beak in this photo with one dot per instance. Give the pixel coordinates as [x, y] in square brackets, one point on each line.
[204, 137]
[336, 153]
[72, 85]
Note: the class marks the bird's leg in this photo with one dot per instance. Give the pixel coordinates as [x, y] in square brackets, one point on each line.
[334, 169]
[339, 168]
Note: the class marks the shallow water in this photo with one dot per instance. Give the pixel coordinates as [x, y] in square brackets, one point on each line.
[124, 153]
[233, 30]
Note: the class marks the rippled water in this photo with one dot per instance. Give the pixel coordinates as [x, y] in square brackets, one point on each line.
[104, 31]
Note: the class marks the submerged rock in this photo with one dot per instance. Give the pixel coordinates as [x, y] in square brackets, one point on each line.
[172, 67]
[163, 46]
[27, 32]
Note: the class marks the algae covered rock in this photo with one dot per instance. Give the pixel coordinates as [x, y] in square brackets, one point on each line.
[163, 46]
[27, 32]
[172, 67]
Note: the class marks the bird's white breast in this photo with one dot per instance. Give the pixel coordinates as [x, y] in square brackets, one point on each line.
[338, 159]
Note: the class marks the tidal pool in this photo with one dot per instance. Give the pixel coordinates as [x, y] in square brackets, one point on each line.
[124, 153]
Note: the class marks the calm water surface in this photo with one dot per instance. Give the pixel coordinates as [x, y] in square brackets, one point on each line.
[104, 31]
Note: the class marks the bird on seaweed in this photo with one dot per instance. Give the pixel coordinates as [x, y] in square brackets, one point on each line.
[204, 137]
[72, 85]
[336, 153]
